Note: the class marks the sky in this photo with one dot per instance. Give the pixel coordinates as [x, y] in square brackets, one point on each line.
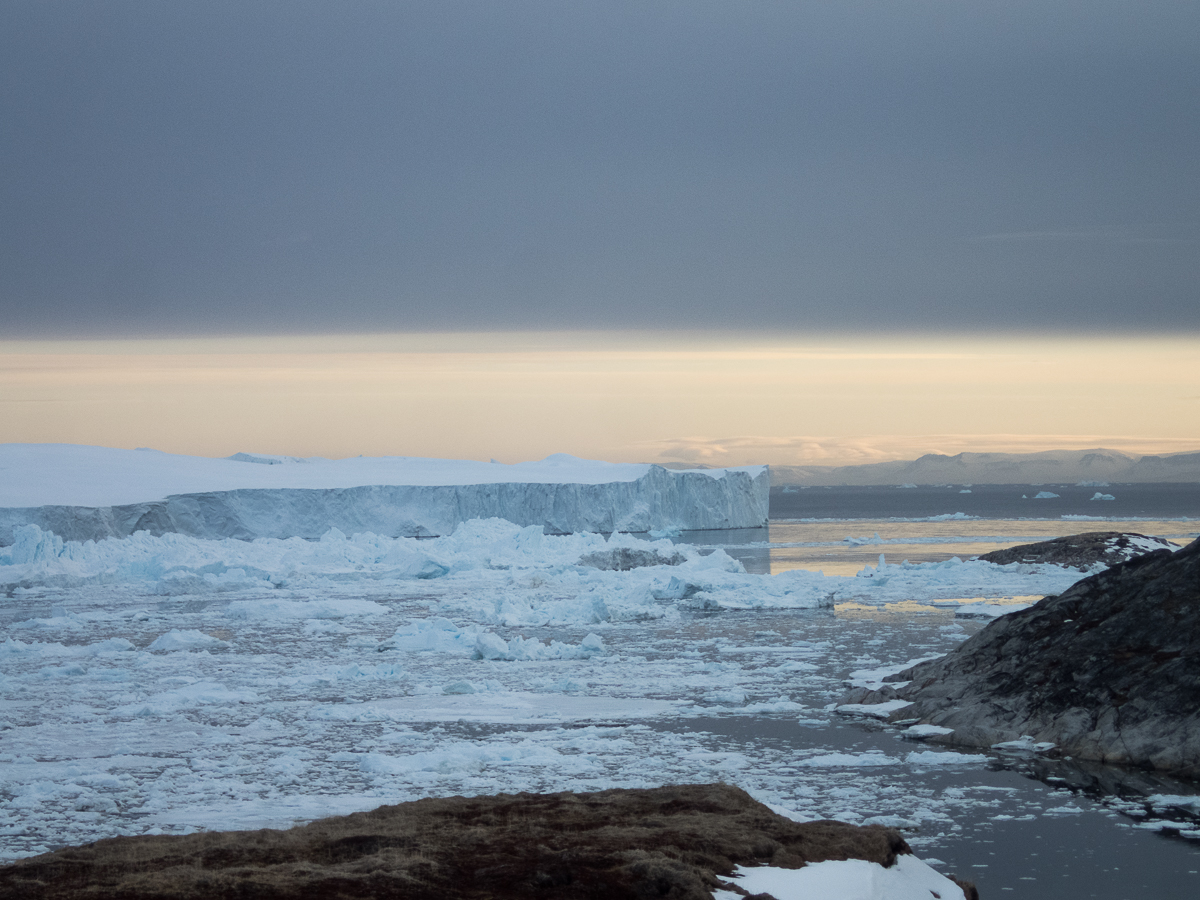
[638, 397]
[462, 190]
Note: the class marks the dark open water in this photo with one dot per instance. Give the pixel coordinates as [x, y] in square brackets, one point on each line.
[1014, 848]
[1107, 847]
[992, 501]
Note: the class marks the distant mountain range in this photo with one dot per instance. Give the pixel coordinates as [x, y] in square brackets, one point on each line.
[1048, 467]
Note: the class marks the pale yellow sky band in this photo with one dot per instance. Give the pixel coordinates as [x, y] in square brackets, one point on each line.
[790, 399]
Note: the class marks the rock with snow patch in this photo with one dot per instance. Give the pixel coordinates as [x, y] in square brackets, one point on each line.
[682, 842]
[1081, 551]
[1108, 671]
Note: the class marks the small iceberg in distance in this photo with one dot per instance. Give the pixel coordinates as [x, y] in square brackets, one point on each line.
[264, 460]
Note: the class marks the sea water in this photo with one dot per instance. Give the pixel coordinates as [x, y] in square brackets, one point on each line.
[240, 699]
[1100, 500]
[1035, 828]
[1010, 823]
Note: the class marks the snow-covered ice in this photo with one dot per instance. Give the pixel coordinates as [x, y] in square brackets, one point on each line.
[1024, 744]
[920, 732]
[872, 710]
[175, 565]
[94, 492]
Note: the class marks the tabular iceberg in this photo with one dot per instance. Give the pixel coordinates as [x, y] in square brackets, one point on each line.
[396, 497]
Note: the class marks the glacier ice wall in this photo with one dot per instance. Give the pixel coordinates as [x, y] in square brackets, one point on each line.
[659, 500]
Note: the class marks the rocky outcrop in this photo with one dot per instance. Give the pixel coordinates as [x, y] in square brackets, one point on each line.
[677, 842]
[1081, 551]
[1107, 671]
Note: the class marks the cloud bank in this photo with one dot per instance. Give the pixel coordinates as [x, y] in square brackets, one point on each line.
[305, 167]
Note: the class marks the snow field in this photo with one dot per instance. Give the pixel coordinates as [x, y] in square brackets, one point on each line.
[850, 879]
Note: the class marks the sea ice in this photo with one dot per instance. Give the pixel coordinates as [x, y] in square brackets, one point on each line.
[920, 732]
[947, 758]
[1025, 744]
[173, 683]
[186, 640]
[872, 710]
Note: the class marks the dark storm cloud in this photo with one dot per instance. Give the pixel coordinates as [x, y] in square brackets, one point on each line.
[174, 168]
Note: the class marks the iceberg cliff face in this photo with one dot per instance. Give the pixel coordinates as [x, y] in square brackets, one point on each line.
[657, 499]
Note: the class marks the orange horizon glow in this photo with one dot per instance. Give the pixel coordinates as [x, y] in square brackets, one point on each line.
[626, 397]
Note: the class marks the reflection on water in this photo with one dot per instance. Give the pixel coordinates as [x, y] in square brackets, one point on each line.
[1130, 788]
[958, 607]
[1034, 828]
[889, 611]
[1039, 839]
[749, 546]
[1038, 828]
[992, 501]
[846, 547]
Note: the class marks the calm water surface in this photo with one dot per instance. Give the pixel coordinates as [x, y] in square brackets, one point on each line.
[845, 546]
[1035, 829]
[1044, 829]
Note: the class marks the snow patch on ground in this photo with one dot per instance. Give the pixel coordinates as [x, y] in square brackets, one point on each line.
[849, 879]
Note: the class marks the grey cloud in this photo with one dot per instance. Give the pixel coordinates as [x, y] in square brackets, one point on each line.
[372, 166]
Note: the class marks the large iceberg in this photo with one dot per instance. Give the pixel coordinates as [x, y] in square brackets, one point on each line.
[90, 493]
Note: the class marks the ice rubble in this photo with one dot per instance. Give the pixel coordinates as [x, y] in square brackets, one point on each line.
[440, 635]
[188, 639]
[85, 493]
[492, 554]
[180, 683]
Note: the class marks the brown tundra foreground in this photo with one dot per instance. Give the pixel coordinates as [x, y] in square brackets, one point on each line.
[678, 842]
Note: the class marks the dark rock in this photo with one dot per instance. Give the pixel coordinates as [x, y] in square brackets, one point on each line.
[1107, 671]
[1081, 551]
[676, 842]
[622, 559]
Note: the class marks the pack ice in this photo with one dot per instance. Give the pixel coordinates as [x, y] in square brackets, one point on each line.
[167, 683]
[88, 493]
